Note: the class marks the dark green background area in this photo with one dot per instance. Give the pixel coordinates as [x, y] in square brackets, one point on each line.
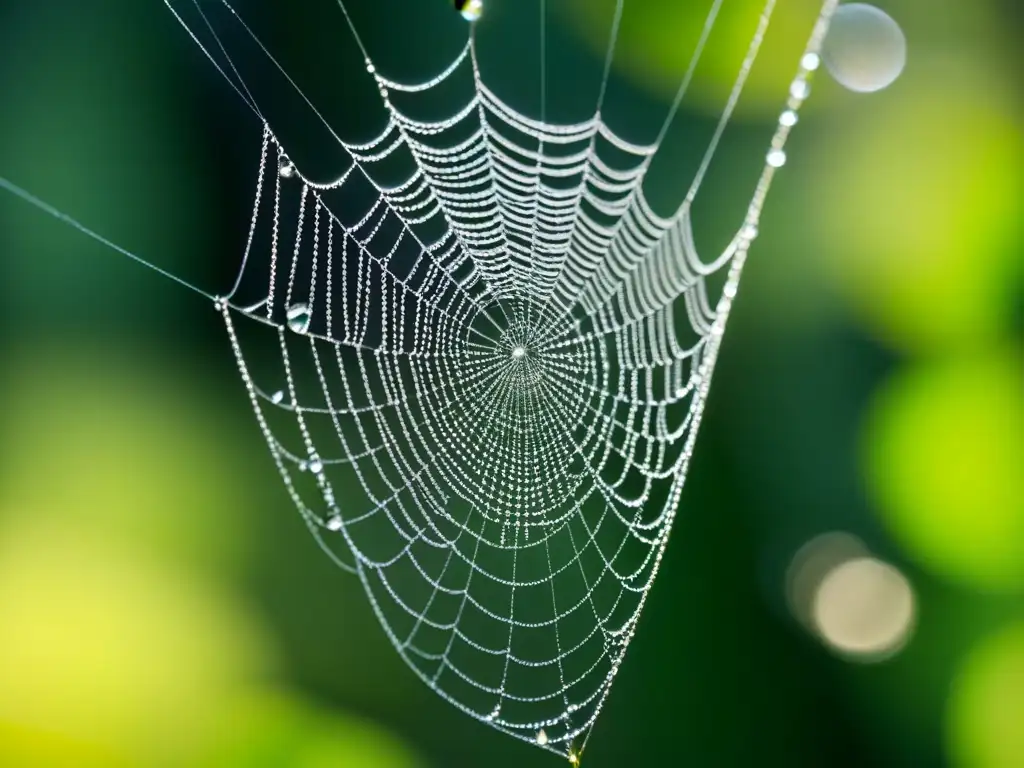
[110, 113]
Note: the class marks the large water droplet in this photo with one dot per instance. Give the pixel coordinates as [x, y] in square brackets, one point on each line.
[298, 317]
[285, 167]
[471, 10]
[334, 523]
[277, 398]
[865, 50]
[542, 737]
[776, 158]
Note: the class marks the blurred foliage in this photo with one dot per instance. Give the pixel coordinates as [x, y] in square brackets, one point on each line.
[80, 123]
[917, 206]
[944, 447]
[161, 604]
[134, 432]
[271, 729]
[656, 42]
[110, 650]
[987, 704]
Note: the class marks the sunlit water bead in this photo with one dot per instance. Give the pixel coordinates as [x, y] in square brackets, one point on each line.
[865, 50]
[471, 10]
[285, 167]
[776, 158]
[298, 317]
[800, 89]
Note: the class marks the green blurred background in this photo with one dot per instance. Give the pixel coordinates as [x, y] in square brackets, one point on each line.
[161, 603]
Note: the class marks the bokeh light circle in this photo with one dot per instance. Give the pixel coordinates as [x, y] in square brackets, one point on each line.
[865, 49]
[865, 608]
[858, 606]
[811, 564]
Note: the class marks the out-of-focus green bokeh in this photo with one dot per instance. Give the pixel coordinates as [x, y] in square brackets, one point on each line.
[162, 604]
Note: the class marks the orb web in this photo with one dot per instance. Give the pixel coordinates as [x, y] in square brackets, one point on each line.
[492, 369]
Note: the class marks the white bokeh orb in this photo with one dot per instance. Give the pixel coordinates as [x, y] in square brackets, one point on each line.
[865, 50]
[865, 609]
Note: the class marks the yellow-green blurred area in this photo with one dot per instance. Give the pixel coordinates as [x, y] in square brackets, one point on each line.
[161, 602]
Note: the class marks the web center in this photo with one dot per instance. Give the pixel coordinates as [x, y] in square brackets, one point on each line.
[518, 352]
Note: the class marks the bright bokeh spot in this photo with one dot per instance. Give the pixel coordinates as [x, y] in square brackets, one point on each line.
[865, 49]
[107, 656]
[865, 609]
[657, 39]
[944, 449]
[811, 564]
[917, 207]
[985, 718]
[860, 607]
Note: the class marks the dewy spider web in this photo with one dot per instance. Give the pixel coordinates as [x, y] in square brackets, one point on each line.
[485, 409]
[492, 373]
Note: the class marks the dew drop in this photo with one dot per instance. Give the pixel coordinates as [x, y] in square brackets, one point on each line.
[542, 737]
[285, 167]
[277, 398]
[788, 118]
[298, 317]
[470, 10]
[865, 50]
[810, 61]
[776, 158]
[800, 89]
[315, 465]
[334, 523]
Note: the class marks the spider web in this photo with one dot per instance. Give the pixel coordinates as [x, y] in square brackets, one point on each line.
[493, 361]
